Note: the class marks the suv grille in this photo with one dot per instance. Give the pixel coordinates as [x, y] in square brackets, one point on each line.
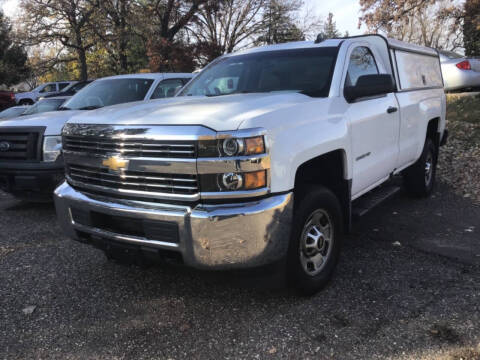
[133, 180]
[131, 147]
[19, 144]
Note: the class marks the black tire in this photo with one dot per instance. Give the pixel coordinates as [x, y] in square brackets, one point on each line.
[417, 181]
[317, 201]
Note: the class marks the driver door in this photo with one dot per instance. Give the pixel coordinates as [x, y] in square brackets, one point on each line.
[374, 127]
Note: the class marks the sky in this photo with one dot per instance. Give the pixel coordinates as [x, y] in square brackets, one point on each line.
[346, 12]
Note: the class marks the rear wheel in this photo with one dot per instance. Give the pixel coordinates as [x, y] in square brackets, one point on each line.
[316, 241]
[420, 177]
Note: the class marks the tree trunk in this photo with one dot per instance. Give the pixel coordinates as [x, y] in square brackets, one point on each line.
[122, 51]
[82, 60]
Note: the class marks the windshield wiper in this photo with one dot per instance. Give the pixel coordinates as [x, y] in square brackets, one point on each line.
[90, 107]
[62, 108]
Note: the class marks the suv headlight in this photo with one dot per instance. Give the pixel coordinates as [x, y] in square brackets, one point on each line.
[52, 148]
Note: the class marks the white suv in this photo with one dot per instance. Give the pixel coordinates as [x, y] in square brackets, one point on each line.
[30, 97]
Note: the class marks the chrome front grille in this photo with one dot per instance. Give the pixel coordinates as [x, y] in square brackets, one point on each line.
[145, 163]
[133, 181]
[131, 147]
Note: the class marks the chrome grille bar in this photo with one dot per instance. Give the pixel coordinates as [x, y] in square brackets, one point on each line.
[133, 147]
[165, 183]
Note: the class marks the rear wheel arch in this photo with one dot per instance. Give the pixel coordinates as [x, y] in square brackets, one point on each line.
[433, 130]
[26, 102]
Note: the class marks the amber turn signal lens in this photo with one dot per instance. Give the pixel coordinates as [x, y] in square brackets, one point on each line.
[254, 145]
[255, 180]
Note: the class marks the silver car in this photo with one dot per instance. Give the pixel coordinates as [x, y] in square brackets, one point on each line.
[459, 72]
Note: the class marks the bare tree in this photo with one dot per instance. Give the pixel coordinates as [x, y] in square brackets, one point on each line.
[227, 26]
[382, 14]
[163, 24]
[67, 22]
[471, 27]
[434, 24]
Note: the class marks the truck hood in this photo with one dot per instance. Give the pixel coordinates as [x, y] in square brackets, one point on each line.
[220, 113]
[53, 121]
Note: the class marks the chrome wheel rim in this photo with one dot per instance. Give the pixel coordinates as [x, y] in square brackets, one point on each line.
[428, 168]
[316, 242]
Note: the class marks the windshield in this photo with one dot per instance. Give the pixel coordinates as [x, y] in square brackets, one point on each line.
[74, 88]
[108, 92]
[44, 105]
[308, 71]
[68, 87]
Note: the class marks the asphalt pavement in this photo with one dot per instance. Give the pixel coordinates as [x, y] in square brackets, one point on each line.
[407, 287]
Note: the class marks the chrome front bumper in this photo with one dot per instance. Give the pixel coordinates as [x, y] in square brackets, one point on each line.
[238, 235]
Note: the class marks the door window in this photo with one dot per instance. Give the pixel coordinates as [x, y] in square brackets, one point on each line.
[361, 63]
[62, 86]
[49, 88]
[167, 88]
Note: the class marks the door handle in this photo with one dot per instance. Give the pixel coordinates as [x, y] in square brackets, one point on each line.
[392, 109]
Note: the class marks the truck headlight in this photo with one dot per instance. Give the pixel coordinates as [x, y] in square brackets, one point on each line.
[232, 146]
[52, 147]
[234, 181]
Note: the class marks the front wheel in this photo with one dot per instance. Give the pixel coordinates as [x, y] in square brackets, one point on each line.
[316, 241]
[420, 177]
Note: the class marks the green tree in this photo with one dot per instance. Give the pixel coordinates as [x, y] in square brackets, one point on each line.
[471, 27]
[115, 27]
[279, 22]
[330, 30]
[13, 58]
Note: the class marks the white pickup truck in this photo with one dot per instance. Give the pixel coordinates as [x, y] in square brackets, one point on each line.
[263, 158]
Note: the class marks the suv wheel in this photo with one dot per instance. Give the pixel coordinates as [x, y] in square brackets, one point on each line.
[316, 241]
[420, 177]
[25, 102]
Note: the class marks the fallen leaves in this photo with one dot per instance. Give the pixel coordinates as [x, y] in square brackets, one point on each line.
[29, 309]
[459, 160]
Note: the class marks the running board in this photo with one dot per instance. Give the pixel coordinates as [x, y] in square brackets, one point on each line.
[367, 202]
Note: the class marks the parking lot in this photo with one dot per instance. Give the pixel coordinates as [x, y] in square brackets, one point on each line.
[406, 287]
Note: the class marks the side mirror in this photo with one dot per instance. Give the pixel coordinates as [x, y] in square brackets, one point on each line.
[369, 85]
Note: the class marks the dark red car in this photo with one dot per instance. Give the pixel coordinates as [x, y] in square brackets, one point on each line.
[7, 99]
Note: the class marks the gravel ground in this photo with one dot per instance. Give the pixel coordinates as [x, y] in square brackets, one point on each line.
[397, 294]
[459, 162]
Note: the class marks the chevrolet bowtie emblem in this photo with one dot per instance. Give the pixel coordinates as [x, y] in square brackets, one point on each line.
[115, 163]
